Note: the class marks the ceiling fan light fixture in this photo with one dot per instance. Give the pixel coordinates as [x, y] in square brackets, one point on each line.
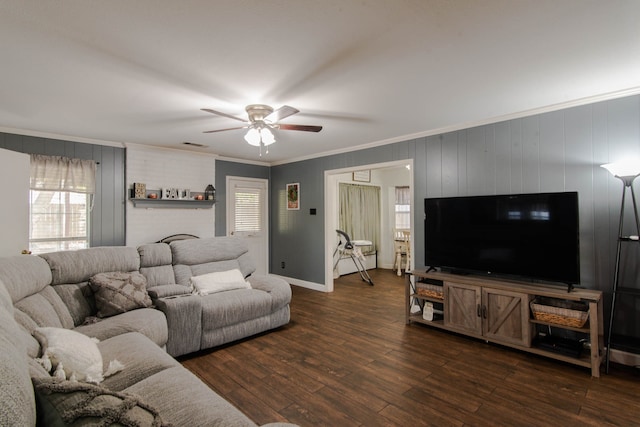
[262, 120]
[258, 136]
[253, 137]
[267, 136]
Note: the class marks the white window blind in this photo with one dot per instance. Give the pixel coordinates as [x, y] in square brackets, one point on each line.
[247, 210]
[403, 207]
[59, 221]
[60, 200]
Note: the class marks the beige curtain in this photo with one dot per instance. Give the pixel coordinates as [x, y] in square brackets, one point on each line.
[360, 212]
[55, 173]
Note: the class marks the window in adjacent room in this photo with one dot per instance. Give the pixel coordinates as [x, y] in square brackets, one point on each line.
[60, 201]
[403, 208]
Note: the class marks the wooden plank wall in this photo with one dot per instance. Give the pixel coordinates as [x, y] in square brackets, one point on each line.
[555, 151]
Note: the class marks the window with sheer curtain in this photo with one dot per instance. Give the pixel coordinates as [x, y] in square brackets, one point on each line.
[60, 201]
[360, 212]
[403, 207]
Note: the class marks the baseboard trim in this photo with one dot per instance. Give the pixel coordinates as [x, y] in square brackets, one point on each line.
[303, 283]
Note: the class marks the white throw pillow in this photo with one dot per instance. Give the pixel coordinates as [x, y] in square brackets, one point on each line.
[218, 282]
[79, 355]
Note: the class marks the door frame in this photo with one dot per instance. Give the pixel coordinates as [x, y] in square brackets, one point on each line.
[265, 211]
[331, 212]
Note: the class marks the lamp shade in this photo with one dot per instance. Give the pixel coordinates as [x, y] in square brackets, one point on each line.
[625, 168]
[253, 137]
[267, 136]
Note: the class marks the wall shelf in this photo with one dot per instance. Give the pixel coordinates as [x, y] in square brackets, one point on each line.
[172, 203]
[160, 203]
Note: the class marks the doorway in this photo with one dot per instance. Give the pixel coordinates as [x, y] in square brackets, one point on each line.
[247, 217]
[332, 205]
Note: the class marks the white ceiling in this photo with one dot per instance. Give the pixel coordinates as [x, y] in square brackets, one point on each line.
[369, 71]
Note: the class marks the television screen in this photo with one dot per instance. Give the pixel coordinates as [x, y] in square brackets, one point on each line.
[526, 235]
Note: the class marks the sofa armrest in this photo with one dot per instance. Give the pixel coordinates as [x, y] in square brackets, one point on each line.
[184, 321]
[164, 291]
[279, 289]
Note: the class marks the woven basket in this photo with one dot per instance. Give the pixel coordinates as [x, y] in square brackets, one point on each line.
[566, 313]
[431, 291]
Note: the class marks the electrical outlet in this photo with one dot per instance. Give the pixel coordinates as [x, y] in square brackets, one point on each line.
[282, 264]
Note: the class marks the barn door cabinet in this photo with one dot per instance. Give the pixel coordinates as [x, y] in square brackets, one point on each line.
[499, 311]
[484, 312]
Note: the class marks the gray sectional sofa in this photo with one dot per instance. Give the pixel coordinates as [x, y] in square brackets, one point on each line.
[196, 322]
[56, 290]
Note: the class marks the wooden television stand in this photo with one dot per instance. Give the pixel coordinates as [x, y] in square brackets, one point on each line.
[499, 311]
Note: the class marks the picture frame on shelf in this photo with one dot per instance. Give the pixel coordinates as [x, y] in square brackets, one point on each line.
[139, 190]
[293, 196]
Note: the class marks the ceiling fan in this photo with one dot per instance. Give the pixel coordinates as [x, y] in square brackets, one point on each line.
[262, 120]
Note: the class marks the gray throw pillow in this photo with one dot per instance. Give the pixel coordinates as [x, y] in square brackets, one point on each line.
[67, 403]
[118, 292]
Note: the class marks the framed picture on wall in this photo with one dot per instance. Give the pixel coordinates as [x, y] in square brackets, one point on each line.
[293, 196]
[362, 176]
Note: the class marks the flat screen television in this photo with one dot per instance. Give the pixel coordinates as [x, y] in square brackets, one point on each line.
[530, 236]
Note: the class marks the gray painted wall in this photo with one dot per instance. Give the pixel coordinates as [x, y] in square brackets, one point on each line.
[224, 169]
[557, 151]
[108, 215]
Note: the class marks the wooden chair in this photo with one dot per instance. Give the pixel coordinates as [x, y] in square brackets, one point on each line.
[402, 249]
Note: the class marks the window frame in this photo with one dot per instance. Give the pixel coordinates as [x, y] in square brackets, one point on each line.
[403, 212]
[62, 242]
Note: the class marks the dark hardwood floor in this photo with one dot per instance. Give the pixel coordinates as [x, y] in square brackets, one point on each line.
[348, 359]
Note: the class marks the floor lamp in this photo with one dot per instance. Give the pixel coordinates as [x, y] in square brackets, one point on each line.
[627, 172]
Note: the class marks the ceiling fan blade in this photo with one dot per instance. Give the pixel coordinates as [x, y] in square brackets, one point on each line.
[222, 130]
[281, 113]
[306, 128]
[219, 113]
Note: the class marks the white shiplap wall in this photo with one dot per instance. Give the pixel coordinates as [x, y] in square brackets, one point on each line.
[159, 168]
[14, 212]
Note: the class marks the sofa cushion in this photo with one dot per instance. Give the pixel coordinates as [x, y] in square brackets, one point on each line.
[42, 309]
[17, 401]
[78, 266]
[67, 403]
[161, 275]
[46, 308]
[195, 257]
[118, 292]
[219, 282]
[184, 273]
[228, 308]
[156, 264]
[79, 300]
[24, 275]
[203, 407]
[200, 251]
[147, 321]
[154, 254]
[140, 356]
